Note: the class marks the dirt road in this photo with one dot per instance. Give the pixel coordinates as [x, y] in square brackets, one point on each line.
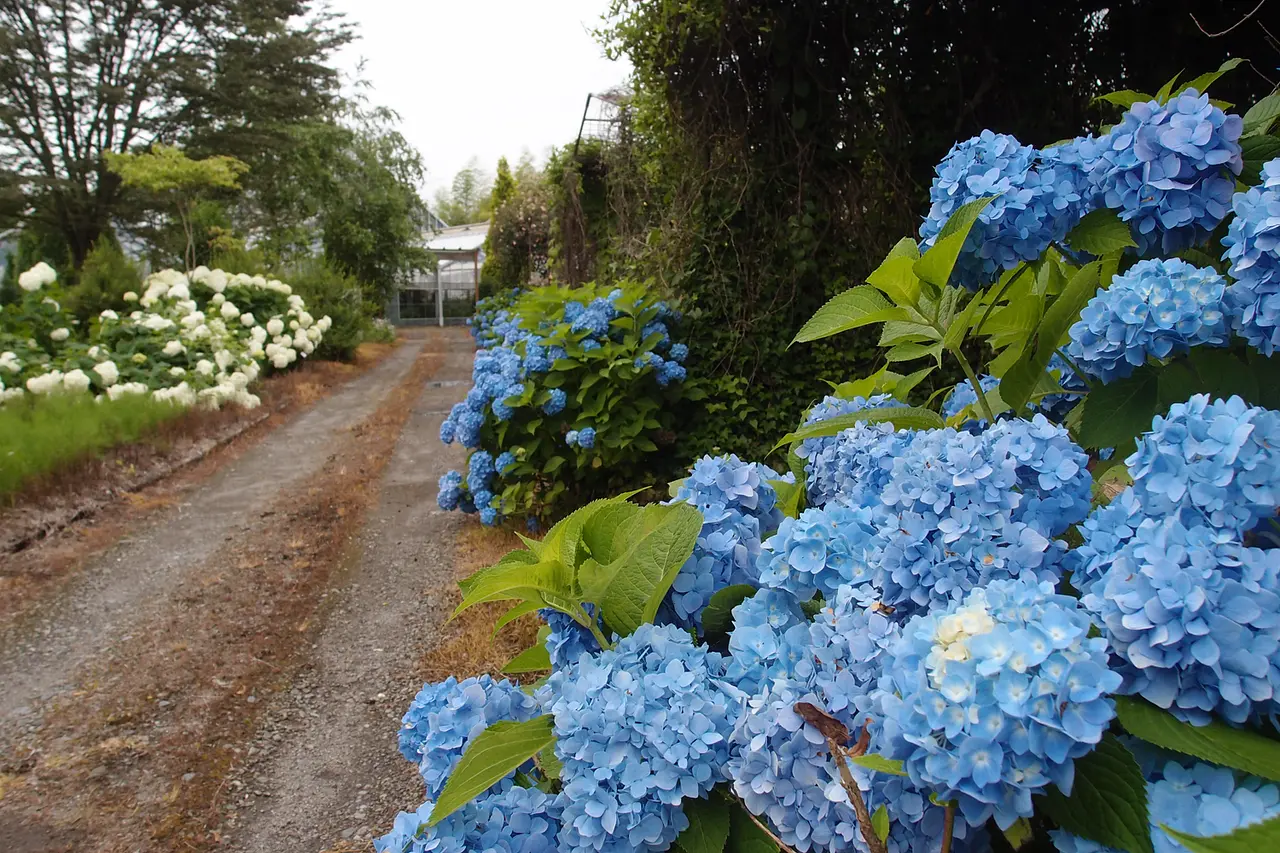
[231, 675]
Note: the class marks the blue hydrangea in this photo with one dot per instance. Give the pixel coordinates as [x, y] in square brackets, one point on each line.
[648, 359]
[504, 461]
[480, 471]
[1104, 533]
[1169, 170]
[726, 482]
[850, 644]
[446, 716]
[1253, 247]
[516, 820]
[679, 352]
[1157, 309]
[589, 345]
[670, 372]
[1218, 459]
[535, 359]
[482, 498]
[820, 551]
[489, 516]
[467, 428]
[990, 700]
[502, 411]
[555, 403]
[1193, 617]
[1055, 407]
[1196, 799]
[838, 465]
[1053, 480]
[571, 438]
[962, 396]
[450, 490]
[639, 729]
[587, 438]
[592, 321]
[1270, 174]
[659, 328]
[769, 641]
[568, 639]
[1036, 202]
[446, 431]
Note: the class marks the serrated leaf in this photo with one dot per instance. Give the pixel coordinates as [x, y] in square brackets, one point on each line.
[1167, 89]
[527, 558]
[640, 577]
[494, 753]
[536, 658]
[1108, 802]
[1100, 232]
[895, 332]
[506, 582]
[911, 352]
[896, 279]
[1202, 83]
[856, 307]
[1255, 151]
[1124, 99]
[958, 328]
[880, 822]
[1216, 742]
[549, 762]
[905, 385]
[515, 613]
[902, 417]
[1258, 118]
[880, 764]
[565, 537]
[600, 533]
[936, 264]
[717, 616]
[1257, 838]
[1114, 415]
[708, 829]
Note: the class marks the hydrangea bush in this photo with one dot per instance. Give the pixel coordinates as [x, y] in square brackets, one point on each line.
[201, 338]
[1048, 610]
[573, 395]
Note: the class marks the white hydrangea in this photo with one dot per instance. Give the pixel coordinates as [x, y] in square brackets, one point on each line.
[205, 367]
[247, 320]
[130, 296]
[46, 383]
[229, 311]
[217, 299]
[174, 348]
[126, 389]
[107, 372]
[108, 315]
[76, 381]
[9, 361]
[157, 323]
[275, 326]
[7, 394]
[37, 277]
[177, 372]
[60, 335]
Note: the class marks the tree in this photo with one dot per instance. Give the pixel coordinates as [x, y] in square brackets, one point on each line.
[467, 199]
[80, 78]
[169, 174]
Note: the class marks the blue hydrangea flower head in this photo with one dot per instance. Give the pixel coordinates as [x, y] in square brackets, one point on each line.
[821, 551]
[446, 716]
[842, 464]
[514, 820]
[502, 411]
[639, 729]
[670, 372]
[480, 471]
[1169, 170]
[571, 438]
[489, 516]
[769, 640]
[450, 490]
[963, 396]
[568, 639]
[1157, 309]
[1193, 618]
[589, 345]
[504, 461]
[989, 700]
[1253, 248]
[657, 327]
[679, 352]
[587, 438]
[446, 430]
[717, 483]
[1270, 174]
[1036, 202]
[1051, 470]
[1218, 459]
[555, 404]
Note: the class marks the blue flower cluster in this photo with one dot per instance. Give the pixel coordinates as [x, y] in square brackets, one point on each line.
[1158, 309]
[1037, 200]
[568, 639]
[829, 461]
[639, 729]
[446, 716]
[1169, 170]
[1193, 798]
[770, 640]
[584, 438]
[990, 700]
[962, 396]
[1253, 247]
[515, 820]
[821, 551]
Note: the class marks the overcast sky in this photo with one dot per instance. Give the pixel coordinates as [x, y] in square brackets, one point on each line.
[483, 78]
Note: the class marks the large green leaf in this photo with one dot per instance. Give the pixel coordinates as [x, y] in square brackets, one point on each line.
[1125, 98]
[1202, 83]
[505, 582]
[1259, 117]
[1216, 742]
[515, 613]
[511, 558]
[910, 352]
[708, 828]
[936, 264]
[856, 307]
[1258, 838]
[639, 578]
[880, 764]
[745, 835]
[896, 279]
[565, 536]
[959, 326]
[1115, 415]
[601, 529]
[790, 498]
[902, 417]
[717, 616]
[1108, 802]
[536, 658]
[1255, 152]
[497, 751]
[1100, 232]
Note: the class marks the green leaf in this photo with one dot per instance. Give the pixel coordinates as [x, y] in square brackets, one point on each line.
[880, 822]
[936, 264]
[1100, 232]
[565, 536]
[536, 658]
[639, 578]
[1108, 802]
[533, 545]
[1019, 833]
[896, 332]
[906, 384]
[1216, 742]
[674, 487]
[1258, 118]
[904, 248]
[515, 613]
[497, 751]
[745, 835]
[1124, 99]
[790, 497]
[1114, 415]
[856, 307]
[1202, 83]
[958, 328]
[708, 828]
[910, 352]
[503, 582]
[553, 465]
[549, 762]
[1255, 151]
[601, 530]
[527, 558]
[717, 616]
[1257, 838]
[902, 417]
[896, 279]
[1167, 89]
[880, 764]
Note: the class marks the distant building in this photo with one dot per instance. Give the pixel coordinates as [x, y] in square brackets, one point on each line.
[453, 285]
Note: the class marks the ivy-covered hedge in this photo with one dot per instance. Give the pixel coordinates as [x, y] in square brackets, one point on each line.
[575, 393]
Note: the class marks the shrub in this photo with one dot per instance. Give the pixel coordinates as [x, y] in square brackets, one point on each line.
[104, 278]
[573, 394]
[336, 295]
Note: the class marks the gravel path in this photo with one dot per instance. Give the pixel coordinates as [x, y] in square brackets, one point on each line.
[133, 581]
[327, 751]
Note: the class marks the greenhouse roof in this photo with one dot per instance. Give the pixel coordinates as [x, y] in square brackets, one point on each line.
[459, 238]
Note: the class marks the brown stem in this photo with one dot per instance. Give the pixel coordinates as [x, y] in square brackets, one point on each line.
[758, 822]
[948, 827]
[874, 843]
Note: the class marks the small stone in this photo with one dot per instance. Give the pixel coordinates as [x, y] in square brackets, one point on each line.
[98, 772]
[187, 777]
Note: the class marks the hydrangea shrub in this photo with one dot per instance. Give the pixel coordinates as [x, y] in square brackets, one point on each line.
[1049, 608]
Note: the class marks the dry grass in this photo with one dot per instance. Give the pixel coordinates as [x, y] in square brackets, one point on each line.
[467, 646]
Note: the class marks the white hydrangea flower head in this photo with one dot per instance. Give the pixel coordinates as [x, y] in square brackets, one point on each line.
[108, 315]
[126, 389]
[247, 320]
[76, 381]
[205, 367]
[60, 335]
[275, 326]
[107, 372]
[229, 311]
[217, 299]
[46, 383]
[130, 296]
[177, 371]
[9, 361]
[37, 277]
[173, 348]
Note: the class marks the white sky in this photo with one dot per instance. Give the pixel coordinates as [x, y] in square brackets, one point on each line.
[483, 78]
